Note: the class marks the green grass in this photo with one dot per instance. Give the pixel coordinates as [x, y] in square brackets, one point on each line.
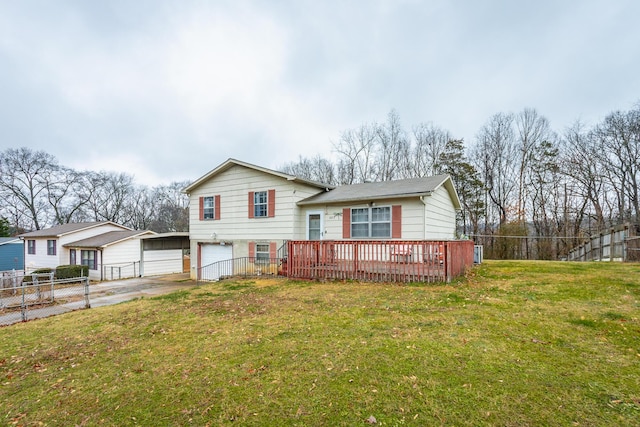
[513, 344]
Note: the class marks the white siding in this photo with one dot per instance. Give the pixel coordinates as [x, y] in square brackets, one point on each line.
[440, 219]
[412, 218]
[165, 261]
[42, 260]
[120, 260]
[234, 225]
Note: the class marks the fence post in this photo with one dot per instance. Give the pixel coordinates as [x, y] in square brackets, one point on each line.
[87, 304]
[23, 305]
[51, 279]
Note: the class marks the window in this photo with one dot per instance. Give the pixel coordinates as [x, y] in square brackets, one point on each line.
[262, 252]
[371, 222]
[260, 204]
[72, 257]
[88, 258]
[51, 247]
[208, 208]
[31, 247]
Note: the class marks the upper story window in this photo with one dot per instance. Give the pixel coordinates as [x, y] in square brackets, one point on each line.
[31, 247]
[51, 247]
[208, 209]
[260, 204]
[371, 222]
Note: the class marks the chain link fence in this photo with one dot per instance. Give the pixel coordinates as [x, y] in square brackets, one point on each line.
[30, 296]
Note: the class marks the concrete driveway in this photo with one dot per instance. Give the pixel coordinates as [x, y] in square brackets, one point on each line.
[109, 293]
[117, 291]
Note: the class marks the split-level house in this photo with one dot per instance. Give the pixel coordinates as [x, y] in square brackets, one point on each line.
[110, 250]
[242, 210]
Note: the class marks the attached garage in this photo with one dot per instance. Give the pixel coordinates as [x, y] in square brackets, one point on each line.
[210, 256]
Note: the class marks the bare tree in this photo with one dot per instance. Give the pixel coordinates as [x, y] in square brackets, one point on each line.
[172, 208]
[429, 143]
[356, 151]
[25, 178]
[496, 159]
[619, 138]
[316, 169]
[532, 130]
[112, 198]
[391, 150]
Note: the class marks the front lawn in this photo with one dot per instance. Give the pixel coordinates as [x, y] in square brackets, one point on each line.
[515, 343]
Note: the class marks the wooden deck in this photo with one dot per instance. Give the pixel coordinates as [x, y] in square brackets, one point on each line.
[383, 261]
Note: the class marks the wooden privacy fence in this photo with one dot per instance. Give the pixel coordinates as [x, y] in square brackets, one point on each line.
[617, 244]
[379, 260]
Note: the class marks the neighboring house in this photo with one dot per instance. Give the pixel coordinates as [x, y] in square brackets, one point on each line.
[110, 250]
[243, 210]
[11, 254]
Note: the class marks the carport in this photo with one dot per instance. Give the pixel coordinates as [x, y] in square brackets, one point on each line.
[165, 253]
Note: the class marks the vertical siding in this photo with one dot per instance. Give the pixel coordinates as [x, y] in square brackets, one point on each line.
[11, 256]
[440, 217]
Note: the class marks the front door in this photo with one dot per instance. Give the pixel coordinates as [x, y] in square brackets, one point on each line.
[315, 225]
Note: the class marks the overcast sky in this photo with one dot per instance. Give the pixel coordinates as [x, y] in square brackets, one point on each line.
[167, 90]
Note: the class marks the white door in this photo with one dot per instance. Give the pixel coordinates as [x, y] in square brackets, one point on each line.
[212, 266]
[315, 225]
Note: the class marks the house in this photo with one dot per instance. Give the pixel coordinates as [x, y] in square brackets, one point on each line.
[242, 210]
[111, 251]
[11, 254]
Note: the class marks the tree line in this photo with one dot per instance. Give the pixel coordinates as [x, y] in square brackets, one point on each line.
[38, 192]
[527, 190]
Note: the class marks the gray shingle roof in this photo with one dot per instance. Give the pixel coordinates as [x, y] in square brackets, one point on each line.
[61, 230]
[105, 239]
[414, 187]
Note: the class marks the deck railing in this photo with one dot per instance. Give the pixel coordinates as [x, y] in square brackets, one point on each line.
[241, 267]
[394, 261]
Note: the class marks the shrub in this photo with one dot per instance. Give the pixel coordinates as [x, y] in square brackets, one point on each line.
[71, 271]
[28, 278]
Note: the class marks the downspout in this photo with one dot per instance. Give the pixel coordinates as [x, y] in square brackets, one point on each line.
[101, 265]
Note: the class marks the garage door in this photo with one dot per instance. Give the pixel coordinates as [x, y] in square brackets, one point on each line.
[210, 256]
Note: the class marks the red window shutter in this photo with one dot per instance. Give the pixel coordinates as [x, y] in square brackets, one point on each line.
[396, 222]
[250, 204]
[201, 208]
[273, 250]
[216, 214]
[346, 223]
[252, 250]
[271, 203]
